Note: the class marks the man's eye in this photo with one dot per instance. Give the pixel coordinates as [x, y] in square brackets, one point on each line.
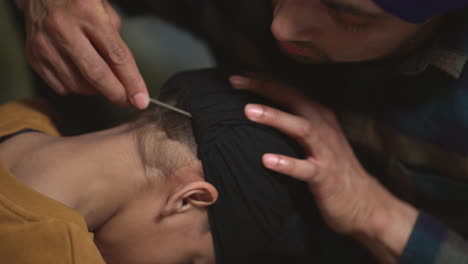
[347, 21]
[354, 19]
[354, 28]
[351, 22]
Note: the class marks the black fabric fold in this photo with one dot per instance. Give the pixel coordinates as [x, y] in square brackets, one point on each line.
[260, 216]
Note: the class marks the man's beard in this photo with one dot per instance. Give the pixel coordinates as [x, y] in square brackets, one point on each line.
[321, 57]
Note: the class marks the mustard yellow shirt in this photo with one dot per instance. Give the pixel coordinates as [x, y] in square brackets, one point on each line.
[34, 228]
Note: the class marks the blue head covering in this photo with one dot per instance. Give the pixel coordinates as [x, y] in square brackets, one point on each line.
[419, 11]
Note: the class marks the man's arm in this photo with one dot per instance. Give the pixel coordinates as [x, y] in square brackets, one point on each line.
[428, 242]
[431, 242]
[351, 201]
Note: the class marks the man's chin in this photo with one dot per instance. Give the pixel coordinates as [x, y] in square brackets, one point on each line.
[308, 59]
[312, 59]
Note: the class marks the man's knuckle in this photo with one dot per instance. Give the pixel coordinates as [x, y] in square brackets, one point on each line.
[334, 138]
[268, 114]
[117, 97]
[73, 87]
[116, 20]
[61, 91]
[95, 71]
[87, 8]
[329, 115]
[39, 45]
[137, 84]
[117, 53]
[309, 178]
[55, 20]
[306, 130]
[289, 166]
[57, 27]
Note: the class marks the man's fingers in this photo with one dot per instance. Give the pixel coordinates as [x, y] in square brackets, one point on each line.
[294, 126]
[51, 79]
[121, 61]
[303, 170]
[95, 70]
[91, 55]
[71, 76]
[37, 53]
[278, 92]
[62, 69]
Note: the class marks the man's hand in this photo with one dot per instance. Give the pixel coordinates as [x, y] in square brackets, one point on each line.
[350, 200]
[76, 47]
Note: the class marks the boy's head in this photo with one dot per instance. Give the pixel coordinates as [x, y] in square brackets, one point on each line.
[259, 217]
[166, 221]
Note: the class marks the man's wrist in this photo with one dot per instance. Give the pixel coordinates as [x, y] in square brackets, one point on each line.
[391, 223]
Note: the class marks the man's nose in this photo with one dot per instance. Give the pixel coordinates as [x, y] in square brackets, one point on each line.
[299, 20]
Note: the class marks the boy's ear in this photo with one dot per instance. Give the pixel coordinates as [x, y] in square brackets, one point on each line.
[195, 194]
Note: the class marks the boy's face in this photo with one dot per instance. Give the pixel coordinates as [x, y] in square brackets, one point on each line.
[167, 224]
[323, 31]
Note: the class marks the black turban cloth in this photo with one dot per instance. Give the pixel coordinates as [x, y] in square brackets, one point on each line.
[260, 216]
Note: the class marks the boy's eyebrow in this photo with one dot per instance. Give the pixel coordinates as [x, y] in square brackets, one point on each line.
[352, 9]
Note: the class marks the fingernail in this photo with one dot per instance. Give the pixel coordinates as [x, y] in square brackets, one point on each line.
[239, 82]
[271, 161]
[254, 111]
[140, 100]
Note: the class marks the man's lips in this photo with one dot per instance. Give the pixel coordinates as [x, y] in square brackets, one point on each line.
[294, 49]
